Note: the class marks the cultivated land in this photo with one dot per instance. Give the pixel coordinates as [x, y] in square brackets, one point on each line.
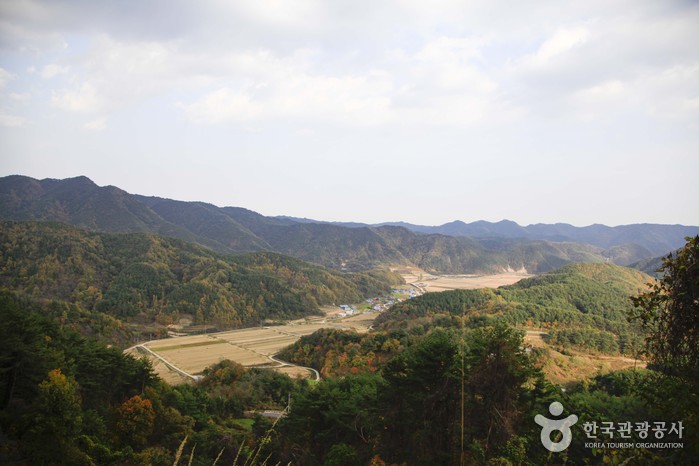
[255, 347]
[431, 283]
[251, 347]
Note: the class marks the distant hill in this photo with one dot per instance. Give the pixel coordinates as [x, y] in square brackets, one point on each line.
[650, 266]
[480, 247]
[639, 239]
[150, 277]
[581, 304]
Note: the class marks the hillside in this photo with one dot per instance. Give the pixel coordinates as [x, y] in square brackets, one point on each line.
[639, 240]
[581, 304]
[455, 248]
[155, 278]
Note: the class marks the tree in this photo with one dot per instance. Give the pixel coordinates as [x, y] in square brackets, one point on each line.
[669, 312]
[135, 420]
[421, 402]
[56, 423]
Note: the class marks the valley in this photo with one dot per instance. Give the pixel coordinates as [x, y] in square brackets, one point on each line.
[182, 359]
[428, 282]
[373, 335]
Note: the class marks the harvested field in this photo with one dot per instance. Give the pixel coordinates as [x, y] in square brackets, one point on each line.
[361, 322]
[178, 341]
[429, 282]
[168, 375]
[249, 347]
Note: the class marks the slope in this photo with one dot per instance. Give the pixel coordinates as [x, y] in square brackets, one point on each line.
[151, 278]
[495, 247]
[584, 305]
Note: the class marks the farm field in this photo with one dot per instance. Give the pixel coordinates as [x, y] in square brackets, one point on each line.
[435, 283]
[254, 347]
[251, 347]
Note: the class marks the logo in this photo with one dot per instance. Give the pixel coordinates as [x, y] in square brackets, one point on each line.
[550, 425]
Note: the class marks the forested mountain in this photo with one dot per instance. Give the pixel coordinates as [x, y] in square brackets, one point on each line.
[646, 239]
[586, 305]
[157, 278]
[481, 247]
[637, 240]
[69, 400]
[430, 391]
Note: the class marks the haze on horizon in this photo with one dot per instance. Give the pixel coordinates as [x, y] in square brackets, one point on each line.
[537, 112]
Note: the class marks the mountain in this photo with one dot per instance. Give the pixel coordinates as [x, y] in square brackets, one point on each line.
[456, 247]
[651, 239]
[583, 304]
[150, 277]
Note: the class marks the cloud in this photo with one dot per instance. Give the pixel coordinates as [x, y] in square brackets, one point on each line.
[20, 97]
[11, 121]
[562, 42]
[52, 70]
[5, 77]
[100, 124]
[301, 97]
[84, 99]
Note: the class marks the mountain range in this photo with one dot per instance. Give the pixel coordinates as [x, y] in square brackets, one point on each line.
[456, 247]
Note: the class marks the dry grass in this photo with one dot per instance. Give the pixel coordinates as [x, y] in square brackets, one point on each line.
[564, 369]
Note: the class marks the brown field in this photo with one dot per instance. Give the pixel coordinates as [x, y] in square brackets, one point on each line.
[195, 359]
[429, 282]
[361, 322]
[248, 347]
[160, 368]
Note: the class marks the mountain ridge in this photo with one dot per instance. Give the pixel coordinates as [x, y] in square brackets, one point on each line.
[491, 247]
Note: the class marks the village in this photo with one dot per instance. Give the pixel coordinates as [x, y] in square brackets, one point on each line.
[379, 303]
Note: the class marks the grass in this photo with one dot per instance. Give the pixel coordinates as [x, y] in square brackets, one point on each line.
[245, 423]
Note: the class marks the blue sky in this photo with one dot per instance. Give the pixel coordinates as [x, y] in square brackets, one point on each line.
[578, 112]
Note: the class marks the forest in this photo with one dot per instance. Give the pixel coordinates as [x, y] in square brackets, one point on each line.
[585, 305]
[444, 379]
[454, 248]
[154, 279]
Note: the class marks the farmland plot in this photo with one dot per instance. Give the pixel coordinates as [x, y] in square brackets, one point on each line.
[250, 347]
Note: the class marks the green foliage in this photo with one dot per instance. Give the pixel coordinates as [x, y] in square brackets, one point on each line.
[669, 312]
[584, 305]
[156, 278]
[56, 421]
[586, 337]
[134, 421]
[99, 406]
[411, 411]
[336, 411]
[336, 353]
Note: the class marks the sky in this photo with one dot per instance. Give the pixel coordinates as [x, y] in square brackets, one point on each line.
[539, 112]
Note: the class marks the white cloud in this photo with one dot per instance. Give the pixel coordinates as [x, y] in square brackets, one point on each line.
[100, 124]
[563, 41]
[20, 97]
[508, 80]
[358, 101]
[84, 99]
[52, 70]
[5, 77]
[11, 121]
